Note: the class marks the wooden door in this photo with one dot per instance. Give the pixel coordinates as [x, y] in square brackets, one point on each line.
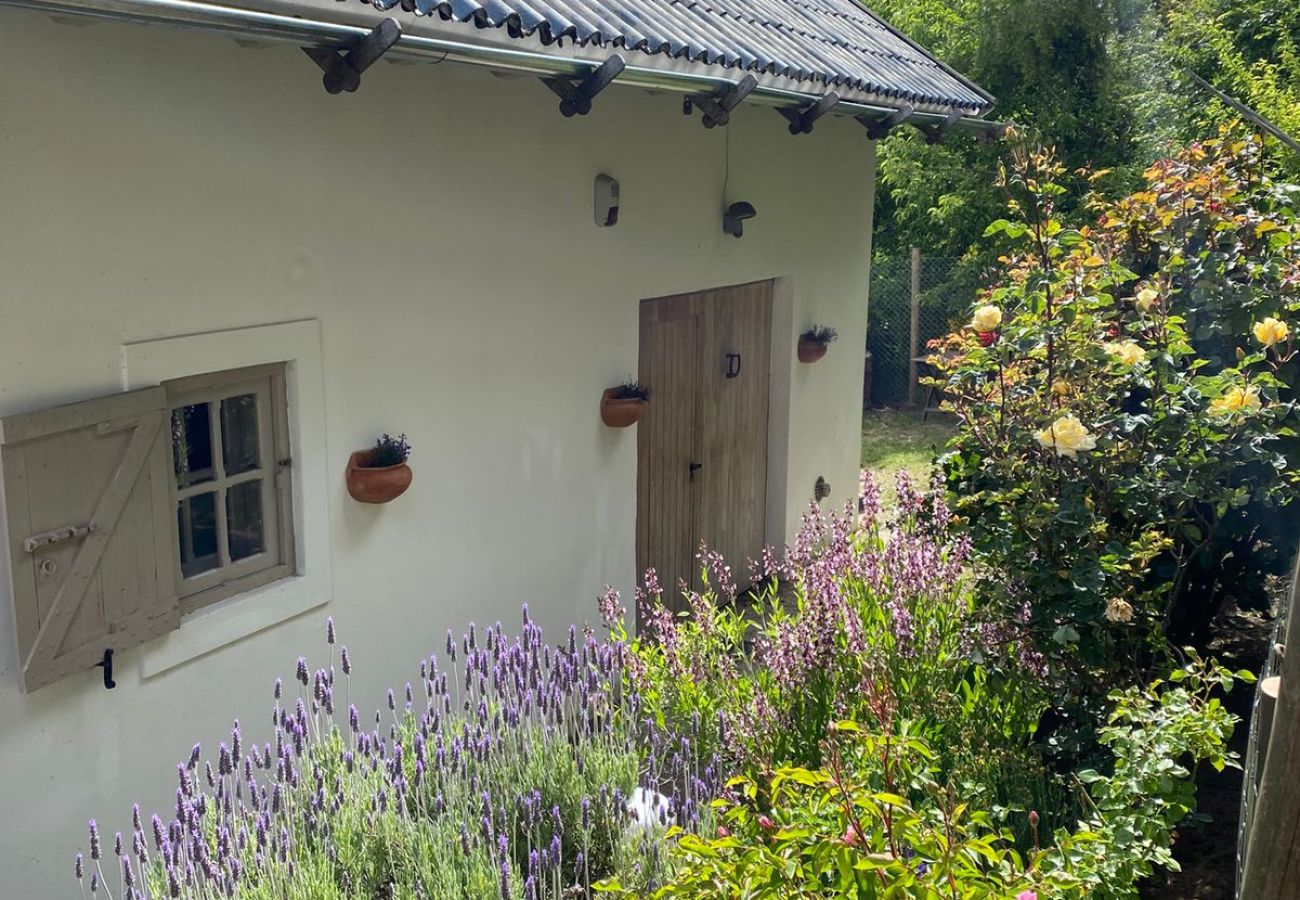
[702, 442]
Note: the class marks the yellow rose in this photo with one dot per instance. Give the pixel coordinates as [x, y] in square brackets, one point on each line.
[1061, 387]
[1235, 401]
[1118, 610]
[986, 319]
[1128, 352]
[1271, 331]
[1067, 436]
[1146, 298]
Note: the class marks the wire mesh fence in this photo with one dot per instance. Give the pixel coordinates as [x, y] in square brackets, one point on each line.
[938, 291]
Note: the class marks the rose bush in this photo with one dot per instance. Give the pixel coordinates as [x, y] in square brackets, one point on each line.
[1124, 453]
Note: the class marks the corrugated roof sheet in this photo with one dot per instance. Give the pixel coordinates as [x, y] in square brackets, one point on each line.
[823, 44]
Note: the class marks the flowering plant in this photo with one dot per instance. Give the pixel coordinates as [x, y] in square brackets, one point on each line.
[1122, 453]
[515, 769]
[865, 616]
[388, 451]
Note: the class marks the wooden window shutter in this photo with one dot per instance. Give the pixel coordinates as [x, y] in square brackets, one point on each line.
[89, 530]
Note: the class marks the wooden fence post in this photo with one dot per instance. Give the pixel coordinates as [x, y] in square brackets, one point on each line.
[915, 344]
[1272, 865]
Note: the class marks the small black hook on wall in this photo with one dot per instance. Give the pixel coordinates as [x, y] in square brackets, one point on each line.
[107, 665]
[733, 365]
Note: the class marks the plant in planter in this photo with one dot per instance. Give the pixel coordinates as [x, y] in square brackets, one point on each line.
[380, 473]
[814, 341]
[621, 406]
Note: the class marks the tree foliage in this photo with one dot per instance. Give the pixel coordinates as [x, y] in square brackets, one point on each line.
[1103, 82]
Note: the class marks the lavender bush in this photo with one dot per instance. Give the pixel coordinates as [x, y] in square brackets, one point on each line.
[511, 769]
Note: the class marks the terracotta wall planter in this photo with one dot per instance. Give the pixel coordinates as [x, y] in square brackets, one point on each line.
[810, 351]
[619, 413]
[376, 485]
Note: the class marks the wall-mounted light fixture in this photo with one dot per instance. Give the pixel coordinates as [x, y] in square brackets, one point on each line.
[733, 219]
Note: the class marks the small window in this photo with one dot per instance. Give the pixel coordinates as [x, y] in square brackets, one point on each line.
[231, 487]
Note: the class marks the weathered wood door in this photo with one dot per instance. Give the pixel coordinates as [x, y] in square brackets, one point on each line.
[702, 442]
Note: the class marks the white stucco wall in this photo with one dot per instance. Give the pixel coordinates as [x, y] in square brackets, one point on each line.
[436, 231]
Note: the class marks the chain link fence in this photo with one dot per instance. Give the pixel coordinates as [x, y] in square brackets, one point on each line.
[942, 298]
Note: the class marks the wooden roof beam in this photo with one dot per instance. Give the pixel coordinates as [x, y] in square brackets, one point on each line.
[343, 68]
[935, 134]
[801, 120]
[576, 97]
[716, 108]
[879, 128]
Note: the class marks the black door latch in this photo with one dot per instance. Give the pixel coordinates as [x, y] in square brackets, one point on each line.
[107, 665]
[695, 467]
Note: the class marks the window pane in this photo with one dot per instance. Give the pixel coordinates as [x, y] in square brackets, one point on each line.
[196, 518]
[192, 444]
[244, 519]
[239, 433]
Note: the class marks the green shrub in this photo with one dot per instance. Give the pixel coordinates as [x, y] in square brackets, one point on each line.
[878, 820]
[1149, 791]
[1123, 425]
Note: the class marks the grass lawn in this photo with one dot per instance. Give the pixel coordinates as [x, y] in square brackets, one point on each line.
[894, 440]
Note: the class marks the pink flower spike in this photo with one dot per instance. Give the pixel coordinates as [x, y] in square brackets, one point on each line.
[1027, 895]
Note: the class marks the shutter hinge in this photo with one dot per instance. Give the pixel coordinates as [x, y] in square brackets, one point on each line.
[58, 535]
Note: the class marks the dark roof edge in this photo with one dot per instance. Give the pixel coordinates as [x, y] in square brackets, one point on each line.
[251, 23]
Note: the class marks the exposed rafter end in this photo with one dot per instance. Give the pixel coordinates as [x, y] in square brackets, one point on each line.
[935, 134]
[716, 108]
[879, 128]
[343, 69]
[801, 120]
[576, 96]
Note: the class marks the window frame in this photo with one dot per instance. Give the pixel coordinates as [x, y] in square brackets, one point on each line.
[276, 560]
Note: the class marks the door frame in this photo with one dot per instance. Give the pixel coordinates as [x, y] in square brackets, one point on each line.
[781, 362]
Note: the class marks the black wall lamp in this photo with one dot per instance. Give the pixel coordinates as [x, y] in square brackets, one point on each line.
[734, 218]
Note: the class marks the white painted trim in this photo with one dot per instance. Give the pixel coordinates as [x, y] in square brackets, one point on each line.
[297, 343]
[780, 371]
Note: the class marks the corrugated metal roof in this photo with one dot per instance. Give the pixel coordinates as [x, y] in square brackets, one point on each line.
[821, 44]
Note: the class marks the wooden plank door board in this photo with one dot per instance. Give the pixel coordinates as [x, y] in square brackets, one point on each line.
[690, 344]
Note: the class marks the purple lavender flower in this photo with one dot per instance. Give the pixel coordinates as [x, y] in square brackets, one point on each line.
[329, 630]
[94, 840]
[505, 874]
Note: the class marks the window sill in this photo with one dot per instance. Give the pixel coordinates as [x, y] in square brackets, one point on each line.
[228, 621]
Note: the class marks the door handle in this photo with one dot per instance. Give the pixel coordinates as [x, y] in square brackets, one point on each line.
[695, 467]
[733, 365]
